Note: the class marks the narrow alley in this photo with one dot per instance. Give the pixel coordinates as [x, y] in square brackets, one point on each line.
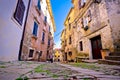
[59, 39]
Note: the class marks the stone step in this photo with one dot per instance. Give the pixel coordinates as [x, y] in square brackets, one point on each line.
[116, 58]
[110, 62]
[114, 54]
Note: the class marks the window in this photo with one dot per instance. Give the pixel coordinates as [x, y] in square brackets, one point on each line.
[69, 26]
[89, 16]
[81, 46]
[70, 53]
[48, 42]
[43, 37]
[35, 29]
[38, 5]
[79, 3]
[70, 40]
[83, 3]
[85, 23]
[19, 12]
[31, 53]
[45, 19]
[49, 28]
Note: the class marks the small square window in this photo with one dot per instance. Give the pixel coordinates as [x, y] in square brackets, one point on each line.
[31, 53]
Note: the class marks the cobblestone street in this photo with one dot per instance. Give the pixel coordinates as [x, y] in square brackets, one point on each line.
[50, 71]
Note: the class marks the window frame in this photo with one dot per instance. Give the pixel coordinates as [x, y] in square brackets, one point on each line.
[43, 37]
[45, 19]
[70, 40]
[48, 42]
[35, 29]
[38, 5]
[31, 54]
[19, 12]
[81, 46]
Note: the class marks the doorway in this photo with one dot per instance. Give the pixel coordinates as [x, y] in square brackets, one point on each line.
[65, 56]
[96, 47]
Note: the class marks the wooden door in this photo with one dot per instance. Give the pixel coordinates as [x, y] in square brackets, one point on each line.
[96, 47]
[65, 56]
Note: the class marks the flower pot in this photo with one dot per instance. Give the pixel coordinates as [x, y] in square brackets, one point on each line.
[104, 53]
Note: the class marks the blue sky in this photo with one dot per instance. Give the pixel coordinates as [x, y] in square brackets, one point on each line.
[60, 10]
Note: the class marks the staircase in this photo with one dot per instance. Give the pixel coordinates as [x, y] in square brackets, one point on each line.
[112, 59]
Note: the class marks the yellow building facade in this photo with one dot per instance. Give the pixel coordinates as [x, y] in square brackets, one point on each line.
[67, 38]
[91, 26]
[58, 57]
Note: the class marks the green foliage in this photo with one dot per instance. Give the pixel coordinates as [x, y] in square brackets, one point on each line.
[24, 78]
[19, 78]
[55, 76]
[66, 76]
[2, 66]
[39, 69]
[85, 65]
[86, 79]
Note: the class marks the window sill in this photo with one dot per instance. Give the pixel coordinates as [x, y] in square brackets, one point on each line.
[18, 25]
[42, 42]
[39, 11]
[45, 23]
[33, 36]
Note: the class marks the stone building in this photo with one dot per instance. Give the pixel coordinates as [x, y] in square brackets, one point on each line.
[39, 31]
[68, 33]
[58, 56]
[12, 19]
[96, 26]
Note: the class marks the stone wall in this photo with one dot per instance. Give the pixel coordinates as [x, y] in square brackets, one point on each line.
[113, 10]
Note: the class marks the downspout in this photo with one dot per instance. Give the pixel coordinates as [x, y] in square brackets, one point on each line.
[21, 43]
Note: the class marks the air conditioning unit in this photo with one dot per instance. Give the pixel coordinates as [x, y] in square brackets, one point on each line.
[97, 1]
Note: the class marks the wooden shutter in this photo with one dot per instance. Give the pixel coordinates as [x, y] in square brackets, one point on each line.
[35, 29]
[43, 36]
[38, 5]
[45, 19]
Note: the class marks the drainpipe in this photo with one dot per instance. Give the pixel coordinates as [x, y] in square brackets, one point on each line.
[21, 43]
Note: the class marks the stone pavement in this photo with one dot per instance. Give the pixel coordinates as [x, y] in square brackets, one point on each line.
[49, 71]
[12, 70]
[95, 74]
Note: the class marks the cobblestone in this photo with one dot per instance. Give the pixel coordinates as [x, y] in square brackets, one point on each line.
[52, 71]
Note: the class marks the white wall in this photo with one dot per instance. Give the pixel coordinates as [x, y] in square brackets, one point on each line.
[46, 13]
[10, 30]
